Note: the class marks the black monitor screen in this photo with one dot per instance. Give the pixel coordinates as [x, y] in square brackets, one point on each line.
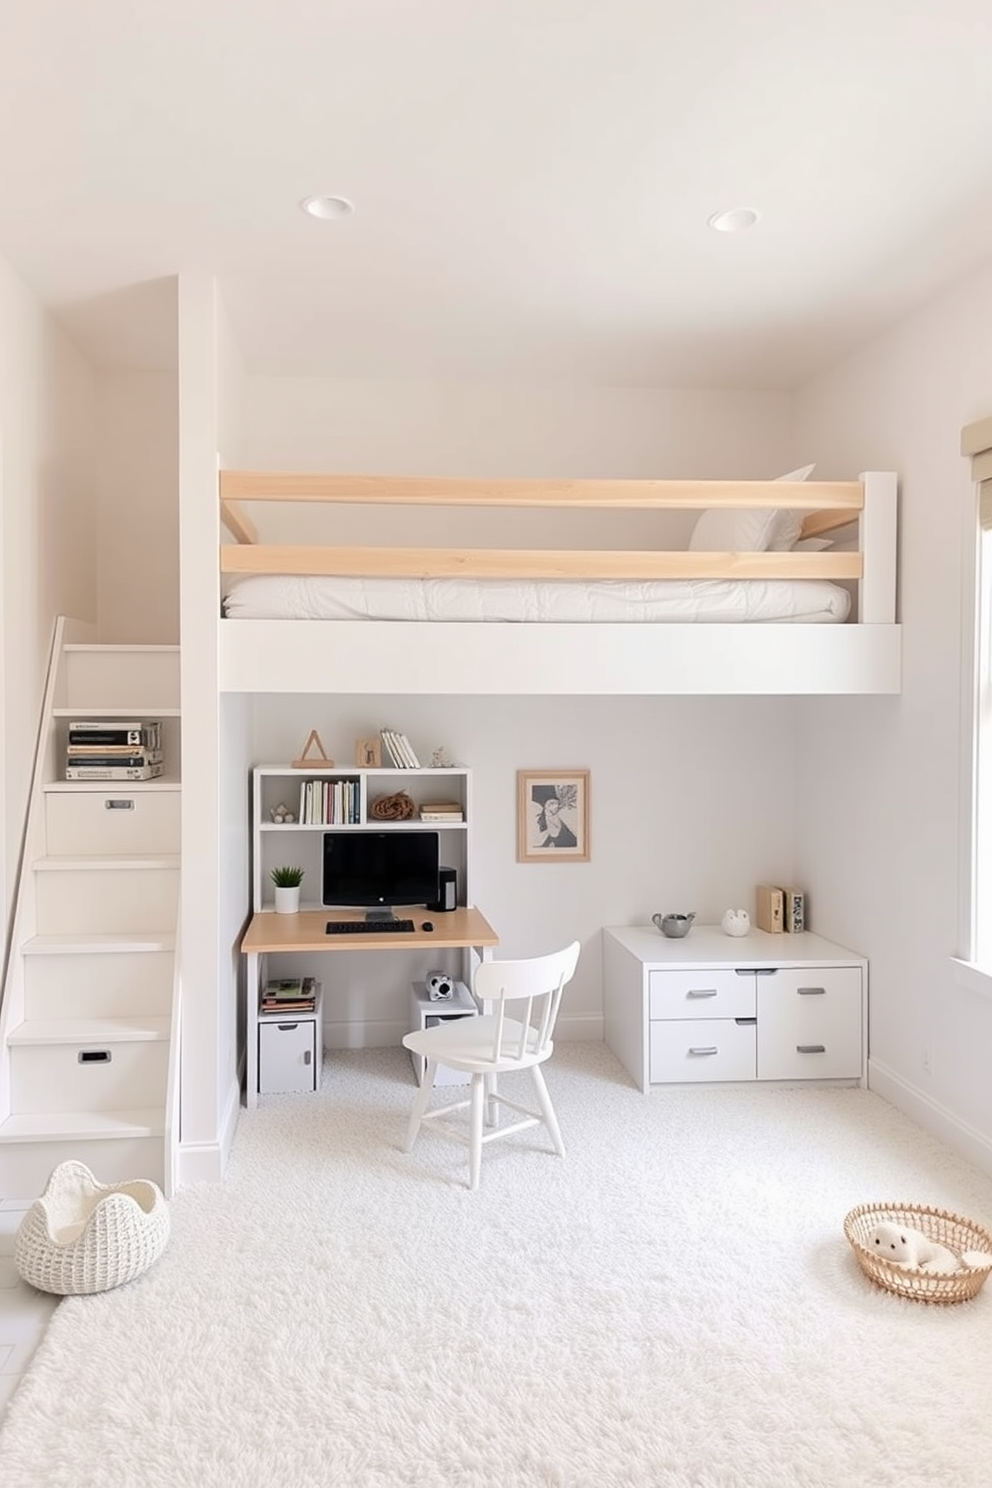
[380, 868]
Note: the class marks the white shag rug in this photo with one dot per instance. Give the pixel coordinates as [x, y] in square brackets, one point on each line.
[674, 1303]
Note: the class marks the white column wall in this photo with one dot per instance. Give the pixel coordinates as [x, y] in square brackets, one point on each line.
[879, 823]
[47, 531]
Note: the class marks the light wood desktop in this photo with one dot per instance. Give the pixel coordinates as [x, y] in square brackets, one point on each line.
[465, 929]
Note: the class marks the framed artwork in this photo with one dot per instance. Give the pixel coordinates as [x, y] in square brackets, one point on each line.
[553, 816]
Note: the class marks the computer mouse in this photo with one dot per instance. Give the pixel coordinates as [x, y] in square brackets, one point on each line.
[427, 925]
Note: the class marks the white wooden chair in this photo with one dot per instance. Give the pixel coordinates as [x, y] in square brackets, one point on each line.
[492, 1044]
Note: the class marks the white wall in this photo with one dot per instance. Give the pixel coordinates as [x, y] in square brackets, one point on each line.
[138, 529]
[48, 545]
[879, 826]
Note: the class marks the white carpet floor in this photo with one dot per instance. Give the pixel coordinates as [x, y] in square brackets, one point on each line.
[673, 1305]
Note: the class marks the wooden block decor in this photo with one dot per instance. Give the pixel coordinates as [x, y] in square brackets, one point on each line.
[307, 761]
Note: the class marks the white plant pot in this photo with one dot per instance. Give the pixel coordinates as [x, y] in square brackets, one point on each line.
[288, 900]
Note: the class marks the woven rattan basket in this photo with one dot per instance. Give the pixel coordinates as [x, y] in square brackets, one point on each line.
[939, 1225]
[84, 1236]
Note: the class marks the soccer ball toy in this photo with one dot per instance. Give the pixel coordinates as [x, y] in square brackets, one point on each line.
[439, 986]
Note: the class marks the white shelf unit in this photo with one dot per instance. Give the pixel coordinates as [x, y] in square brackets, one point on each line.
[88, 1057]
[301, 844]
[712, 1007]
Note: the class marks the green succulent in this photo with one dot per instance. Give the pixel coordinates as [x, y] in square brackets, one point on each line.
[287, 878]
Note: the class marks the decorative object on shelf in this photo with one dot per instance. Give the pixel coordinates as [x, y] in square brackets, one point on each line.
[396, 807]
[439, 986]
[736, 922]
[441, 759]
[82, 1236]
[368, 753]
[673, 925]
[770, 908]
[287, 881]
[952, 1232]
[281, 814]
[553, 816]
[307, 761]
[794, 910]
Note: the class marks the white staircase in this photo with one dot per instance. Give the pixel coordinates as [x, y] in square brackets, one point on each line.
[89, 1021]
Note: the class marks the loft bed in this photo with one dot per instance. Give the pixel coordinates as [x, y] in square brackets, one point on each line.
[745, 606]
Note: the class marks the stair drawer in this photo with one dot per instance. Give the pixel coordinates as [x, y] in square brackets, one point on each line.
[98, 986]
[693, 1049]
[86, 822]
[87, 1077]
[107, 902]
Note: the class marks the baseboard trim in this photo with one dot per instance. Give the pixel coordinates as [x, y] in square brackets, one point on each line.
[206, 1162]
[960, 1136]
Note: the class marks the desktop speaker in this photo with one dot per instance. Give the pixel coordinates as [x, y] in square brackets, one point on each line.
[448, 891]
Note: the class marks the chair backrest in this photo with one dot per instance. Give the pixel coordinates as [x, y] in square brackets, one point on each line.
[534, 987]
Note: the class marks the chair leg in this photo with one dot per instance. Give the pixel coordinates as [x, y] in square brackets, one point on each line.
[475, 1130]
[492, 1109]
[420, 1104]
[548, 1110]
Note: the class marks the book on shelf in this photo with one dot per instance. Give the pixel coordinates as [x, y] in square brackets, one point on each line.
[442, 811]
[399, 750]
[769, 904]
[285, 987]
[112, 751]
[110, 731]
[92, 771]
[133, 756]
[794, 910]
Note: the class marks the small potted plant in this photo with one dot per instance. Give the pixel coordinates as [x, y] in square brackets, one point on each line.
[287, 881]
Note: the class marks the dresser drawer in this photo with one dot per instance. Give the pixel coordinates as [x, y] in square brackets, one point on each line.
[701, 1049]
[810, 1024]
[701, 994]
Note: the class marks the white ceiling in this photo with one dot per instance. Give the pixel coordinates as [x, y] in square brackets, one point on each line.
[532, 178]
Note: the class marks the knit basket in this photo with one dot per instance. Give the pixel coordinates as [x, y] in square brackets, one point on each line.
[84, 1236]
[940, 1226]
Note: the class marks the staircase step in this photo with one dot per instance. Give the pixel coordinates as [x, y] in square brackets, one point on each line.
[71, 1126]
[72, 945]
[89, 1031]
[106, 863]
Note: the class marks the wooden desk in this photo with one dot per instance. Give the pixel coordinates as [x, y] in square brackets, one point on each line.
[457, 929]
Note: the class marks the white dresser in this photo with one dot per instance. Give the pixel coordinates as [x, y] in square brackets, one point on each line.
[717, 1007]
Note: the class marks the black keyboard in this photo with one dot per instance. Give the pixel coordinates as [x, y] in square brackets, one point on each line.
[368, 927]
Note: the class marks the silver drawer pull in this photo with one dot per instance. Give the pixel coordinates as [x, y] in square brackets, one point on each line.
[811, 991]
[811, 1048]
[307, 1057]
[701, 992]
[712, 1050]
[116, 805]
[766, 971]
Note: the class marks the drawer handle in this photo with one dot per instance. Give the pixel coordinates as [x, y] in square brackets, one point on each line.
[698, 1051]
[94, 1056]
[286, 1027]
[701, 992]
[307, 1057]
[766, 971]
[811, 1048]
[119, 805]
[811, 991]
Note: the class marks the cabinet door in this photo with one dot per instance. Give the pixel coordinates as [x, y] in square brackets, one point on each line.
[809, 1024]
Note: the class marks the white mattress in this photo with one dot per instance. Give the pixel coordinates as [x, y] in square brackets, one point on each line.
[700, 601]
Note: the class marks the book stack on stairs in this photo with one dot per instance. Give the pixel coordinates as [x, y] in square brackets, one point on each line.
[114, 749]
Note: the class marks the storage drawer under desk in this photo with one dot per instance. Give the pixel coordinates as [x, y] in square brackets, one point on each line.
[701, 993]
[685, 1049]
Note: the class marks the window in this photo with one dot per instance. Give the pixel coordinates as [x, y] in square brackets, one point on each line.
[975, 935]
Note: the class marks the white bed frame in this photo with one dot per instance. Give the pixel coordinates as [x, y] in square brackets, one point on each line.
[381, 657]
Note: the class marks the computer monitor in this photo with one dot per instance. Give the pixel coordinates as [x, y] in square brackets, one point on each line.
[375, 870]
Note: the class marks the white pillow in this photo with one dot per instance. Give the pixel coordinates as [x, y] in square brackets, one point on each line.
[724, 530]
[812, 545]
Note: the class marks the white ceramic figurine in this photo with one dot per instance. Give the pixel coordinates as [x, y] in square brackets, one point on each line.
[736, 922]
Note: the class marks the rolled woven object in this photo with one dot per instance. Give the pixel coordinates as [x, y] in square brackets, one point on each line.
[397, 807]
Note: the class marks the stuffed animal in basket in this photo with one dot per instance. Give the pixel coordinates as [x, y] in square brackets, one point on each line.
[905, 1246]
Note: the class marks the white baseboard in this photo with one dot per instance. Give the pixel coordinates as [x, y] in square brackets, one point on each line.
[962, 1138]
[206, 1162]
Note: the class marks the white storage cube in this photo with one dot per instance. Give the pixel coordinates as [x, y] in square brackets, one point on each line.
[289, 1054]
[427, 1014]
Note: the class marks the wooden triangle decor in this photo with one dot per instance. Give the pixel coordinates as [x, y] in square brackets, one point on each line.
[307, 760]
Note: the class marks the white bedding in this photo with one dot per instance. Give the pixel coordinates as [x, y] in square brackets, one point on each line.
[700, 601]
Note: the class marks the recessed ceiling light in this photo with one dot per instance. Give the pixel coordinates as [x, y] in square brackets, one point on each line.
[328, 208]
[735, 220]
